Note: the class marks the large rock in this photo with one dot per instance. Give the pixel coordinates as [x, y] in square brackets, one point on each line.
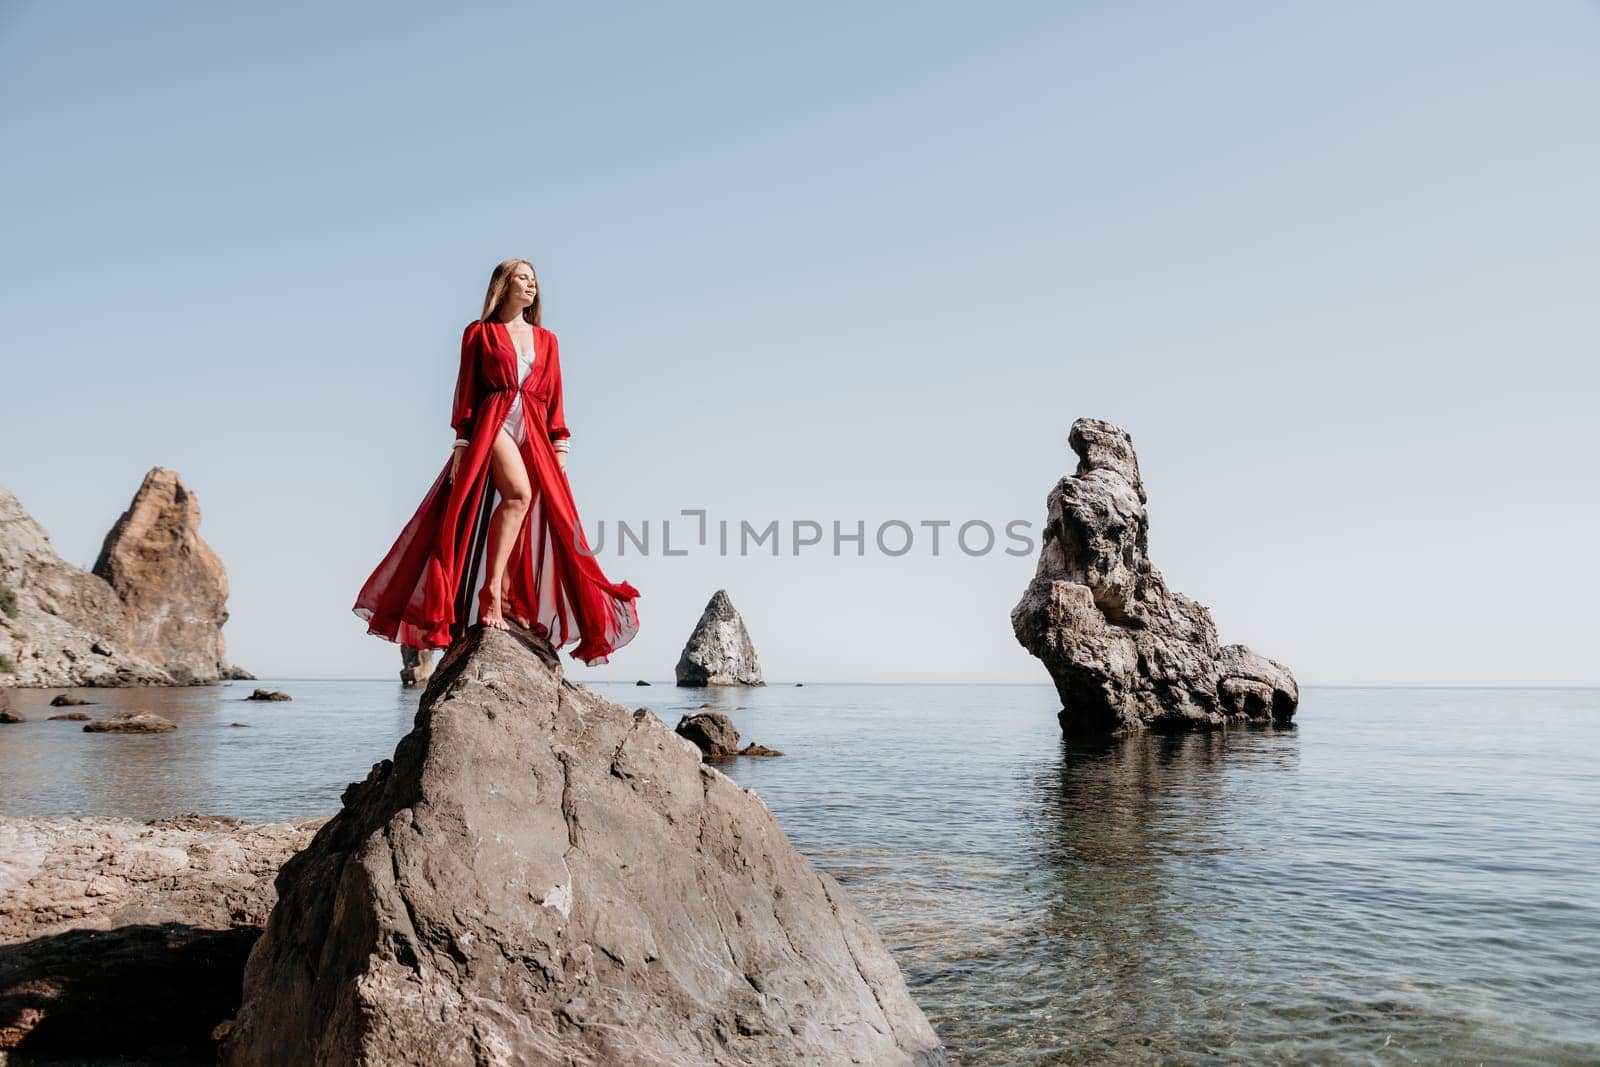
[541, 876]
[719, 651]
[1126, 653]
[150, 614]
[124, 940]
[713, 734]
[63, 622]
[172, 584]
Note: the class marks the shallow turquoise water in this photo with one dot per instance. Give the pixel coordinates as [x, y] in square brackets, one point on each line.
[1405, 876]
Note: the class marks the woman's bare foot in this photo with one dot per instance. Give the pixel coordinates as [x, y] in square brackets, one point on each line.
[505, 598]
[489, 610]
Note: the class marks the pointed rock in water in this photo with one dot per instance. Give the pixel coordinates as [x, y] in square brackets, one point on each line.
[67, 700]
[641, 681]
[719, 651]
[1124, 652]
[71, 716]
[541, 876]
[269, 694]
[416, 666]
[173, 585]
[11, 718]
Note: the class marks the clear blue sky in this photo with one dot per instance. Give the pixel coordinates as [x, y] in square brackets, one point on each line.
[1332, 265]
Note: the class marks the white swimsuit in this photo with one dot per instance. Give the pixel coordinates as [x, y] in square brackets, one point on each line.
[514, 424]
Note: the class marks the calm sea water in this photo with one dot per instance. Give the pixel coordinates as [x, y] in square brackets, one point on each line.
[1405, 876]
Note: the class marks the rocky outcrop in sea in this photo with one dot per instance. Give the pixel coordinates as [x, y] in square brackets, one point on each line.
[149, 613]
[541, 876]
[719, 651]
[1125, 652]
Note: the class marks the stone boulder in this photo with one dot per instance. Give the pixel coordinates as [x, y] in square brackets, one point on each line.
[145, 722]
[125, 941]
[714, 735]
[150, 614]
[719, 651]
[540, 876]
[1125, 652]
[269, 694]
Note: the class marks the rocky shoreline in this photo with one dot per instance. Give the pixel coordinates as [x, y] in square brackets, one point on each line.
[538, 875]
[126, 938]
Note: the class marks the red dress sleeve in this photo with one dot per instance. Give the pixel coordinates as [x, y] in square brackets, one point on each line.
[466, 398]
[556, 417]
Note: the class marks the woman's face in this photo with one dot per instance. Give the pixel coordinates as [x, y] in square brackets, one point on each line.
[522, 287]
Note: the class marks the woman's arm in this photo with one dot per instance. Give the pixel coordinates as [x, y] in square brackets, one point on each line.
[556, 416]
[462, 407]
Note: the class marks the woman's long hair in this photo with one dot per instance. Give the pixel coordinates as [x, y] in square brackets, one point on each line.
[497, 291]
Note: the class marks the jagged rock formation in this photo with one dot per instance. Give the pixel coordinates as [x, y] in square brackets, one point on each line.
[416, 666]
[1125, 653]
[541, 876]
[150, 613]
[122, 940]
[172, 584]
[719, 651]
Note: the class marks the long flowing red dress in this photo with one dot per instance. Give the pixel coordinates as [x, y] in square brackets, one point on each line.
[424, 593]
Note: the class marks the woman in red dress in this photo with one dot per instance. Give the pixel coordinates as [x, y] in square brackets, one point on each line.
[497, 535]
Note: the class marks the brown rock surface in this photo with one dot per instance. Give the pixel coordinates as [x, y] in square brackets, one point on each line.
[713, 734]
[126, 939]
[541, 876]
[145, 722]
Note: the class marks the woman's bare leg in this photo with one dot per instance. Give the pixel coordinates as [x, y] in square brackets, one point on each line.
[510, 477]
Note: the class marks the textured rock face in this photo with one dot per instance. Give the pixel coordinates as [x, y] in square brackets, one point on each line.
[63, 621]
[719, 651]
[124, 939]
[714, 735]
[1124, 651]
[172, 584]
[541, 876]
[150, 614]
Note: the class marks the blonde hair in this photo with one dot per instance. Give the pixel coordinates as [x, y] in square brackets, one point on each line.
[497, 291]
